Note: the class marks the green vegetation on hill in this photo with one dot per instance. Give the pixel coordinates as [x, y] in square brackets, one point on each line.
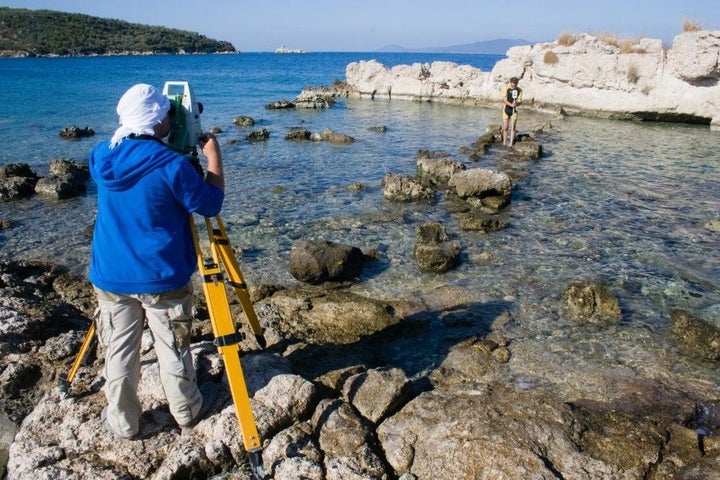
[47, 32]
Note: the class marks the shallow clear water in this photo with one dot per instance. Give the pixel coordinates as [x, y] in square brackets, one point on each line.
[619, 202]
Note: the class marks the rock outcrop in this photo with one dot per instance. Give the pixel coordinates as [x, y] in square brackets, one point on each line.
[346, 389]
[318, 261]
[17, 180]
[589, 75]
[434, 251]
[66, 179]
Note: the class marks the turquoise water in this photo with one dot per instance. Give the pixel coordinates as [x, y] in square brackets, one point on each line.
[623, 203]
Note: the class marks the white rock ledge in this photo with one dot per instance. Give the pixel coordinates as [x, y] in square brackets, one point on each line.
[590, 77]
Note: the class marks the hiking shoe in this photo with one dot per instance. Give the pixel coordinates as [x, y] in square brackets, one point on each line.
[108, 428]
[209, 392]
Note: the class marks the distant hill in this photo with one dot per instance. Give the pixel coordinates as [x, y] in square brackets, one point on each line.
[47, 32]
[499, 46]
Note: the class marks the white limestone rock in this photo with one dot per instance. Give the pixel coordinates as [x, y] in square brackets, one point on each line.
[592, 77]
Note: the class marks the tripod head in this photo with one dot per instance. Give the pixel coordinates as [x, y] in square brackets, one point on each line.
[185, 129]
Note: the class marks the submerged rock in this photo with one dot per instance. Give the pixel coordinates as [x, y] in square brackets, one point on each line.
[243, 121]
[258, 135]
[330, 136]
[696, 336]
[75, 132]
[434, 251]
[66, 179]
[589, 302]
[280, 105]
[17, 180]
[404, 188]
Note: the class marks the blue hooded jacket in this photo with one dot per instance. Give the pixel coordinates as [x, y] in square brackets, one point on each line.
[142, 241]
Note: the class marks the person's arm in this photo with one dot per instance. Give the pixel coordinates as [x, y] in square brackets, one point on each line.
[211, 149]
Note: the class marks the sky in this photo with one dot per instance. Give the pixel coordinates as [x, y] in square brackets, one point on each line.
[370, 25]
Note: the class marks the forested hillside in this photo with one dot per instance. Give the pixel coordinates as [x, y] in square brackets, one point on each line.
[47, 32]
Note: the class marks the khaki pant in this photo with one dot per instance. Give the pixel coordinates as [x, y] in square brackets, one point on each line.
[120, 320]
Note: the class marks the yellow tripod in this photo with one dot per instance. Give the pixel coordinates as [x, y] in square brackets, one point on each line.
[227, 338]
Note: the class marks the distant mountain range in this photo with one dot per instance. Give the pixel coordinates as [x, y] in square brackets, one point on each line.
[498, 46]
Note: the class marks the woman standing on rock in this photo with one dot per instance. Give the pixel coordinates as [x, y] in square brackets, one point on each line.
[512, 97]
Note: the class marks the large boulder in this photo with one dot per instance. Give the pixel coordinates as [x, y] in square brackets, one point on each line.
[318, 261]
[476, 431]
[695, 56]
[316, 316]
[258, 135]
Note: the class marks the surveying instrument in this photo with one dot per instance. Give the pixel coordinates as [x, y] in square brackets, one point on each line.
[185, 133]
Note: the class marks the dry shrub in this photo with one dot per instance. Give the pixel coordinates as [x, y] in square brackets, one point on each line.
[632, 74]
[626, 45]
[567, 39]
[610, 39]
[551, 58]
[692, 26]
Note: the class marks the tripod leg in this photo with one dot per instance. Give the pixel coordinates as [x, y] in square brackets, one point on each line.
[65, 380]
[235, 277]
[227, 341]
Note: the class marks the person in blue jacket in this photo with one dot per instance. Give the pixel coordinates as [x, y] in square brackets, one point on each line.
[143, 257]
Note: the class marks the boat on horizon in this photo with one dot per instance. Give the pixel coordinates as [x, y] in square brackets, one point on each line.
[284, 49]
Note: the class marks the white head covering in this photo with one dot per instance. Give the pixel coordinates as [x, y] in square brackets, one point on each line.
[140, 109]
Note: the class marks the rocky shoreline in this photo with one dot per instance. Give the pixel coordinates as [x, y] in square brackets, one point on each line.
[582, 75]
[343, 388]
[113, 53]
[330, 402]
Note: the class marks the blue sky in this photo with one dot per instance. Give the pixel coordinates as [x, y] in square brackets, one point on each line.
[337, 25]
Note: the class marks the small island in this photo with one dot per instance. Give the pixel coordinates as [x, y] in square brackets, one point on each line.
[47, 33]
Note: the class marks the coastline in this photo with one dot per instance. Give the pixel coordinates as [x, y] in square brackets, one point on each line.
[603, 400]
[28, 54]
[588, 77]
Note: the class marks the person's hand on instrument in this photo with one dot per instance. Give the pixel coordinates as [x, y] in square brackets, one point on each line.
[209, 145]
[211, 149]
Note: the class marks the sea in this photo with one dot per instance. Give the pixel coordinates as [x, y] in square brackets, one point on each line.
[622, 203]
